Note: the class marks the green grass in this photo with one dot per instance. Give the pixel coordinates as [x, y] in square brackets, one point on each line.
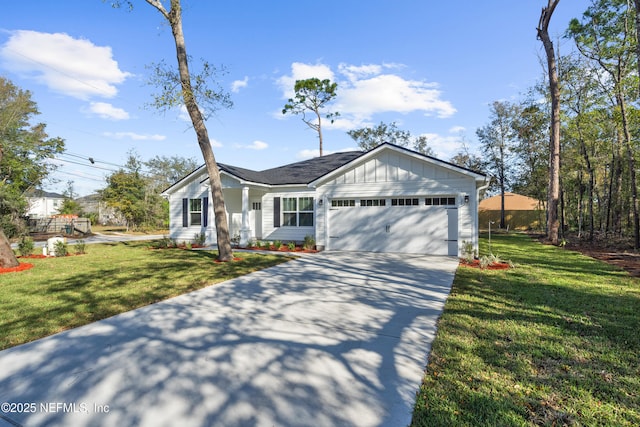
[555, 341]
[62, 293]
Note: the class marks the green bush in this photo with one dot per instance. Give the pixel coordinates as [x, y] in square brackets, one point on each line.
[199, 239]
[60, 248]
[80, 247]
[309, 242]
[292, 246]
[468, 251]
[25, 246]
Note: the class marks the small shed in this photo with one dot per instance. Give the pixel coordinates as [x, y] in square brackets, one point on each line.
[520, 212]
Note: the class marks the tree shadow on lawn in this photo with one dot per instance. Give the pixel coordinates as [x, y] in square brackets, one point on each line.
[323, 341]
[94, 294]
[560, 342]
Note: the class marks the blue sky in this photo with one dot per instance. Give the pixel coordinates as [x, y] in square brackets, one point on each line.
[432, 67]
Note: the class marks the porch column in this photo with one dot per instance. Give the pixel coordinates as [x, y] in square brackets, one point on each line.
[211, 236]
[245, 230]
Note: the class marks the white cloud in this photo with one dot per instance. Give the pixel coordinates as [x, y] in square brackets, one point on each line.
[108, 111]
[370, 89]
[355, 72]
[255, 145]
[215, 143]
[300, 71]
[74, 67]
[135, 136]
[239, 84]
[445, 146]
[392, 93]
[258, 145]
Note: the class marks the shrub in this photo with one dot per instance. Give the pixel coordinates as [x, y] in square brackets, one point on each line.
[277, 244]
[60, 248]
[164, 243]
[291, 246]
[25, 246]
[309, 242]
[80, 247]
[199, 239]
[468, 252]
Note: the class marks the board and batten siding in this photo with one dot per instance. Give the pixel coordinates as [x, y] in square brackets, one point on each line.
[392, 174]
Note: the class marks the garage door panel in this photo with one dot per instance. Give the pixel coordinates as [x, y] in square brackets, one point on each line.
[418, 229]
[356, 228]
[405, 229]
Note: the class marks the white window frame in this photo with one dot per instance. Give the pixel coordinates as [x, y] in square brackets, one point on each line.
[195, 213]
[292, 212]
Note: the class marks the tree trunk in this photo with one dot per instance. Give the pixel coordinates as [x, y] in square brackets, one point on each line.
[174, 17]
[637, 10]
[7, 257]
[632, 168]
[554, 139]
[319, 132]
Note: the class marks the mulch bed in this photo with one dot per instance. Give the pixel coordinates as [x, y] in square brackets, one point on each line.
[22, 267]
[612, 250]
[283, 248]
[476, 264]
[630, 262]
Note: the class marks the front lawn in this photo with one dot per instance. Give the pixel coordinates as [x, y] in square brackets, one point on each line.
[555, 341]
[62, 293]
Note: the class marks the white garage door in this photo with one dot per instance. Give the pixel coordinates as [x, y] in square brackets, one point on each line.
[427, 225]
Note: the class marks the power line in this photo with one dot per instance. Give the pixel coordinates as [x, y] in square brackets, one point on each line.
[91, 159]
[83, 164]
[79, 176]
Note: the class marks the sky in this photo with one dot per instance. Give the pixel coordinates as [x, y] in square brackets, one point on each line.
[432, 67]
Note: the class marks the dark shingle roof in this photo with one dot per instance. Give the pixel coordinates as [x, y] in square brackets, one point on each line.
[37, 193]
[295, 173]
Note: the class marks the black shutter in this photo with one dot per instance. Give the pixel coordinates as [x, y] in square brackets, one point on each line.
[185, 212]
[276, 211]
[205, 211]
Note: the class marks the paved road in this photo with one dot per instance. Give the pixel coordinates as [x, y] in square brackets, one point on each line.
[104, 238]
[333, 339]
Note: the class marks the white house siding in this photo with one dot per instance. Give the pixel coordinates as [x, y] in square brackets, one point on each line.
[284, 233]
[42, 207]
[391, 175]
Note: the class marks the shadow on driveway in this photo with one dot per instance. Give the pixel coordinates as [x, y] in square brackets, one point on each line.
[333, 339]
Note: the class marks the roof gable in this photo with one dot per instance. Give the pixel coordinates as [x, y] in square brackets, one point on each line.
[320, 170]
[379, 164]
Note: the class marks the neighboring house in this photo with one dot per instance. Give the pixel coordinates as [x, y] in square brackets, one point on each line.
[42, 204]
[520, 212]
[388, 199]
[105, 214]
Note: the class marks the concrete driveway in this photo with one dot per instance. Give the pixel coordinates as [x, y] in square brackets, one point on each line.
[333, 339]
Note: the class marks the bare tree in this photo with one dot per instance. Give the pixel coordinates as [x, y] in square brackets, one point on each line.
[312, 95]
[174, 18]
[553, 196]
